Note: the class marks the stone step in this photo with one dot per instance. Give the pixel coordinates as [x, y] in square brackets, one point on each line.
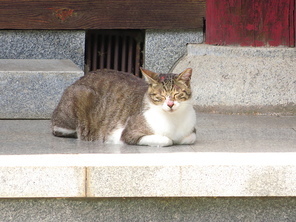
[31, 88]
[234, 156]
[242, 79]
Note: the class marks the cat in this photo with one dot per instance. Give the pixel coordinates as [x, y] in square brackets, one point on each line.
[117, 107]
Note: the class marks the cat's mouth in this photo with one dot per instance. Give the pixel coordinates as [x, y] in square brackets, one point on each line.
[169, 109]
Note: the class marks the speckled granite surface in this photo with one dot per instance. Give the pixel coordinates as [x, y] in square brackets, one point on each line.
[31, 89]
[233, 172]
[43, 44]
[233, 156]
[149, 210]
[163, 48]
[242, 79]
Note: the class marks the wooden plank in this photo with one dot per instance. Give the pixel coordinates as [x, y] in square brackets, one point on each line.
[250, 22]
[101, 14]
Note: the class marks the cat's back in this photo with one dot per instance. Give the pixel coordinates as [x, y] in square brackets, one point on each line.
[110, 91]
[106, 80]
[99, 103]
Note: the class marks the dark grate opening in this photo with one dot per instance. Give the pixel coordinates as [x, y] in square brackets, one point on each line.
[115, 49]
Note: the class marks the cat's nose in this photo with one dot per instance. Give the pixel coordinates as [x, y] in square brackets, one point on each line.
[170, 104]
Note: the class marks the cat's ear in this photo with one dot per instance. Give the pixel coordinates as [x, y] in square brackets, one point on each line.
[150, 77]
[185, 76]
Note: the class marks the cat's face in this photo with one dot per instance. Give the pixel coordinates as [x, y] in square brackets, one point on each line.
[170, 91]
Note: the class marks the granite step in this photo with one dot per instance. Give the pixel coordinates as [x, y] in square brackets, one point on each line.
[234, 156]
[252, 80]
[31, 88]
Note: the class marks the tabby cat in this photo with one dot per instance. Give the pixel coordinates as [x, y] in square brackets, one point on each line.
[116, 107]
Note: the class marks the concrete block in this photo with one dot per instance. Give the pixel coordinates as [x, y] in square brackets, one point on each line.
[242, 79]
[32, 88]
[41, 181]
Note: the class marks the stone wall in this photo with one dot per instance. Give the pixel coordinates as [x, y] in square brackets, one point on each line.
[163, 48]
[43, 44]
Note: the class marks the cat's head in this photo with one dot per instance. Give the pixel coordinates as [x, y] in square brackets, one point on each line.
[170, 91]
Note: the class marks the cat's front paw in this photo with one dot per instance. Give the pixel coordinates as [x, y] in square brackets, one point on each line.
[155, 140]
[189, 139]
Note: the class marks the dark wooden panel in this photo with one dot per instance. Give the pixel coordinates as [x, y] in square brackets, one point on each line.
[250, 22]
[101, 14]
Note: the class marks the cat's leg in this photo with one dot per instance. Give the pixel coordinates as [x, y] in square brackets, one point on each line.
[190, 139]
[63, 132]
[137, 132]
[155, 140]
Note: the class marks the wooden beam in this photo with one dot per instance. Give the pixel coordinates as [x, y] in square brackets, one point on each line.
[101, 14]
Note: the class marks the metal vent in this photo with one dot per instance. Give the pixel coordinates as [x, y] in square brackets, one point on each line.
[115, 49]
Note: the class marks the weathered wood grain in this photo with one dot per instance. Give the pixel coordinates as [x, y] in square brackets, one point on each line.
[101, 14]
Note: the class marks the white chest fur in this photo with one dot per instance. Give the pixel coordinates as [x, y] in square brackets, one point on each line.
[174, 125]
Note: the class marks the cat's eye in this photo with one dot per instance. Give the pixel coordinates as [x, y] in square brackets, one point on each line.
[156, 97]
[159, 98]
[176, 95]
[181, 96]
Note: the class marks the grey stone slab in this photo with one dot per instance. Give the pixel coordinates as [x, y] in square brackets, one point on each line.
[238, 180]
[234, 51]
[215, 133]
[233, 156]
[245, 133]
[27, 66]
[21, 137]
[32, 88]
[149, 209]
[41, 181]
[195, 174]
[133, 181]
[43, 44]
[242, 79]
[164, 47]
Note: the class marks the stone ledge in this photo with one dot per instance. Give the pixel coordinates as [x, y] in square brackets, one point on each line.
[31, 88]
[235, 156]
[149, 175]
[242, 79]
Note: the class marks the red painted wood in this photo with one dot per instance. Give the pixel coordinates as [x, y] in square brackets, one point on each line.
[250, 22]
[293, 21]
